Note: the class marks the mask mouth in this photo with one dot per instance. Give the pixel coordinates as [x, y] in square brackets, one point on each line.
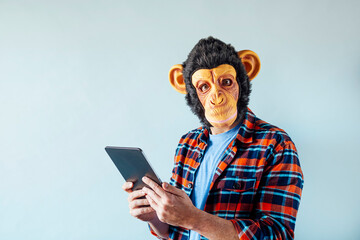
[218, 120]
[223, 121]
[219, 110]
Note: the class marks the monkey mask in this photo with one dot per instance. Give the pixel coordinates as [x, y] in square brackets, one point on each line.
[216, 81]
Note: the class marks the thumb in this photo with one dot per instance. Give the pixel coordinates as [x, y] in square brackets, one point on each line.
[171, 189]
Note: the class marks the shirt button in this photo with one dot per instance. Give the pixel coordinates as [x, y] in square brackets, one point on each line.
[236, 185]
[190, 185]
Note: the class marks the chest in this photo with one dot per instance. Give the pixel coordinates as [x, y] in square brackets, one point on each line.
[239, 169]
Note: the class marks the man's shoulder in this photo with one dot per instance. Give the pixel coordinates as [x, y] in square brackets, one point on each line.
[264, 130]
[192, 135]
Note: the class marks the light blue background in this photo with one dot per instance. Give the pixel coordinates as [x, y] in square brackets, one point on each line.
[76, 76]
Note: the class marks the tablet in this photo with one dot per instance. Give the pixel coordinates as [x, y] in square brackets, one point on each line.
[132, 165]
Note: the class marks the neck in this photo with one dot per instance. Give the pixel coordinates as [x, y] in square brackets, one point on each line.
[218, 130]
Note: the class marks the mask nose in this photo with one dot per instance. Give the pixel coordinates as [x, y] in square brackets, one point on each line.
[217, 98]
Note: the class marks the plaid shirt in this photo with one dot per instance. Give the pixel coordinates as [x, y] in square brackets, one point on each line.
[257, 184]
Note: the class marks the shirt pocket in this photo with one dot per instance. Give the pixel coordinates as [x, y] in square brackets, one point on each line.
[236, 184]
[233, 196]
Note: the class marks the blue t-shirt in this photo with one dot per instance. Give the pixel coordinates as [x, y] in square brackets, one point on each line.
[216, 147]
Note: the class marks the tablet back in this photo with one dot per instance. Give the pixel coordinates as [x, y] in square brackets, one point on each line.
[132, 165]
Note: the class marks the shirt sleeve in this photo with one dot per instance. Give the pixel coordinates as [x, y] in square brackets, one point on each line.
[277, 199]
[154, 233]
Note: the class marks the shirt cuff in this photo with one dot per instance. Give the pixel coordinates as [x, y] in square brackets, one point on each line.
[248, 229]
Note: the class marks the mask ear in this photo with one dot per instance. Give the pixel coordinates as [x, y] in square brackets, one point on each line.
[176, 78]
[251, 62]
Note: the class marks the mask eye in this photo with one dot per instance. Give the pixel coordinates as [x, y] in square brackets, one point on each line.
[226, 82]
[204, 87]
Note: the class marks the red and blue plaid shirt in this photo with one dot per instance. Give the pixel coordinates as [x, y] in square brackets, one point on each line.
[257, 184]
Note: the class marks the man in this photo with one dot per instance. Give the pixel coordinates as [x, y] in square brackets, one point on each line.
[236, 177]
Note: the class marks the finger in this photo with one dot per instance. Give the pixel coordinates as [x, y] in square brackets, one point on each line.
[171, 189]
[154, 186]
[137, 203]
[152, 203]
[127, 186]
[156, 198]
[137, 212]
[136, 194]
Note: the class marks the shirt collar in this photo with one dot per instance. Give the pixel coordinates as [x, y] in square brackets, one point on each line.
[245, 132]
[247, 127]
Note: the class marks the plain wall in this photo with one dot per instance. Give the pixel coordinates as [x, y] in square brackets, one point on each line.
[76, 76]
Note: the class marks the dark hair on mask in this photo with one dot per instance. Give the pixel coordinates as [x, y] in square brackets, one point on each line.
[209, 53]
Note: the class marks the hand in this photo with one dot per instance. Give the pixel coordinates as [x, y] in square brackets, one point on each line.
[172, 205]
[139, 208]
